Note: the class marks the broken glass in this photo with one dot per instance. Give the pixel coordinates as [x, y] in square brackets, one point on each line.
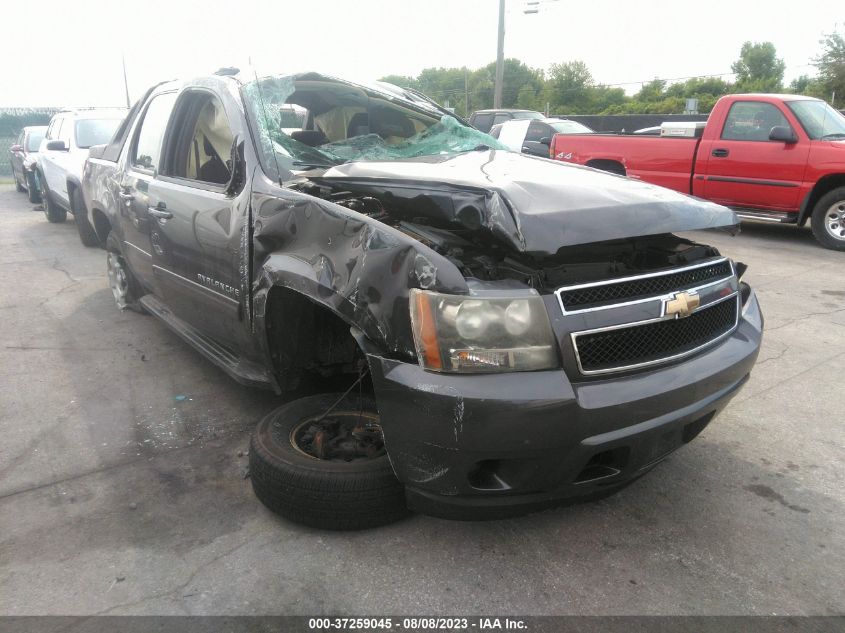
[269, 102]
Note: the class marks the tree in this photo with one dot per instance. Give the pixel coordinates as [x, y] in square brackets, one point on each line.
[831, 66]
[568, 85]
[758, 68]
[401, 80]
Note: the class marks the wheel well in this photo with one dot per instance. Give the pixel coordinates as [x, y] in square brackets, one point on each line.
[102, 226]
[71, 187]
[308, 340]
[825, 184]
[613, 166]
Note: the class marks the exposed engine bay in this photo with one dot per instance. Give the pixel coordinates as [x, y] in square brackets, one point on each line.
[479, 255]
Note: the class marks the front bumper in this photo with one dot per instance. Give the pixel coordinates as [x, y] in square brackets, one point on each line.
[489, 446]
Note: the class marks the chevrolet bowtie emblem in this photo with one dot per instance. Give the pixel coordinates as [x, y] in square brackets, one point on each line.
[681, 304]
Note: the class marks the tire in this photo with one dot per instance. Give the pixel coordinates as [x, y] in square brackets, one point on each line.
[52, 211]
[87, 235]
[125, 288]
[322, 493]
[32, 188]
[828, 221]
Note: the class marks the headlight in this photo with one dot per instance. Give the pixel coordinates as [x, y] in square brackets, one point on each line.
[457, 333]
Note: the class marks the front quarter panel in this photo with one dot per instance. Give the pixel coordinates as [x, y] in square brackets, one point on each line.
[358, 267]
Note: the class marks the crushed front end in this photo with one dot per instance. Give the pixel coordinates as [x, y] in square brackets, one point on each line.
[526, 397]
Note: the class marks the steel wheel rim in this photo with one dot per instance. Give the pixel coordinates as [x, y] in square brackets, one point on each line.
[118, 282]
[834, 220]
[368, 444]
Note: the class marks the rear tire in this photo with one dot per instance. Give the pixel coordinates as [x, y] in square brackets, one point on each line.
[125, 288]
[32, 188]
[828, 221]
[330, 494]
[52, 211]
[87, 235]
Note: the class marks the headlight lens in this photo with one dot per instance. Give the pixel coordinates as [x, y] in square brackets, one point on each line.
[456, 333]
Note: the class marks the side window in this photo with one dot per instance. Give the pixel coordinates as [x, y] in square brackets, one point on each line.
[52, 129]
[483, 122]
[501, 118]
[205, 142]
[64, 131]
[146, 151]
[752, 121]
[537, 130]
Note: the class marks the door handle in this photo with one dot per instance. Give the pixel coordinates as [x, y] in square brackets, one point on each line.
[720, 153]
[158, 212]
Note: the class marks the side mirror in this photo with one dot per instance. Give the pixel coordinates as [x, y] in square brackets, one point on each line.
[783, 133]
[16, 148]
[57, 146]
[546, 140]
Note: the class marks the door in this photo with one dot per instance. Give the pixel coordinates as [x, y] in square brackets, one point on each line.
[142, 163]
[50, 159]
[537, 132]
[747, 170]
[197, 221]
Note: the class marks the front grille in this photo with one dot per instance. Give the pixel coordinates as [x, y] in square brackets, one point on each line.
[641, 287]
[652, 342]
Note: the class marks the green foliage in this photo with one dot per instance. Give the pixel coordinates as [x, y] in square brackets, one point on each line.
[831, 67]
[758, 68]
[569, 87]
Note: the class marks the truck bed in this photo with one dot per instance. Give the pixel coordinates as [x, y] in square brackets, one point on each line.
[664, 161]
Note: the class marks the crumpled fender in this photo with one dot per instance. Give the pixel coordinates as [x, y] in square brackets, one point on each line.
[355, 266]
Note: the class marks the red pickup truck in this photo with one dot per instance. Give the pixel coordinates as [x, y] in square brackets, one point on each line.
[776, 158]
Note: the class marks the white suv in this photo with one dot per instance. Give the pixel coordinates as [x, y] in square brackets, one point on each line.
[62, 156]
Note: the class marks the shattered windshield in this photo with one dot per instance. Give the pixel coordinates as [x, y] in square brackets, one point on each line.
[311, 121]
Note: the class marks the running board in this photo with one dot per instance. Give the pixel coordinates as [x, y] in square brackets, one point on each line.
[243, 371]
[780, 217]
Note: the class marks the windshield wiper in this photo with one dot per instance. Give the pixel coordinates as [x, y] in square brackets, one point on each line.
[303, 163]
[835, 135]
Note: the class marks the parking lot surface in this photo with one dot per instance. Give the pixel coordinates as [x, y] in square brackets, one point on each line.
[123, 483]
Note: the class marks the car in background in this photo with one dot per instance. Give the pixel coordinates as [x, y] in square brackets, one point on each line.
[533, 136]
[23, 158]
[484, 120]
[62, 156]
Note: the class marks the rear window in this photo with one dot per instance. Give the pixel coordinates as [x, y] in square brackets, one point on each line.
[90, 132]
[527, 115]
[570, 127]
[33, 141]
[482, 122]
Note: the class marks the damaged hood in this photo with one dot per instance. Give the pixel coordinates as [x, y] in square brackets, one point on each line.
[536, 206]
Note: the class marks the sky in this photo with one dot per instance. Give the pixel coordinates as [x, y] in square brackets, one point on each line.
[69, 54]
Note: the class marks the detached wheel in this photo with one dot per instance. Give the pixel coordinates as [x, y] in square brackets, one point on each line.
[54, 212]
[125, 288]
[828, 221]
[328, 472]
[32, 188]
[87, 235]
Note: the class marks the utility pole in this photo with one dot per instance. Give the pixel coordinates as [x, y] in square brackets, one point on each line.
[466, 91]
[125, 82]
[500, 58]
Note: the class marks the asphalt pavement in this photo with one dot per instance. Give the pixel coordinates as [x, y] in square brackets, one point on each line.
[123, 484]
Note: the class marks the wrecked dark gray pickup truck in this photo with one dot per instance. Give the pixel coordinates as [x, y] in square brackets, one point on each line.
[498, 332]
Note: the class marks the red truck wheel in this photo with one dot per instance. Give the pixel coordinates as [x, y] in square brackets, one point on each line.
[828, 220]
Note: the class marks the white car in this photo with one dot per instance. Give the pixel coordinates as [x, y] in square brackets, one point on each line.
[62, 155]
[534, 136]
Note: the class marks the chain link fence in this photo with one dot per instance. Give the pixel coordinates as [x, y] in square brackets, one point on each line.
[12, 120]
